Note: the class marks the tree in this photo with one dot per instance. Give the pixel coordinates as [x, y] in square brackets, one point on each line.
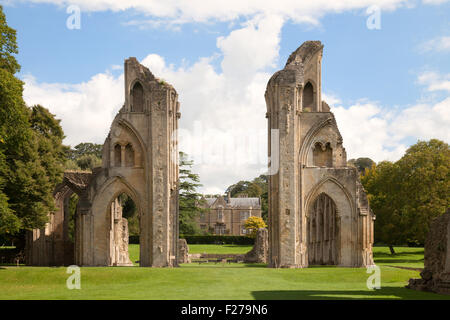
[362, 164]
[84, 156]
[8, 46]
[255, 188]
[252, 224]
[424, 172]
[30, 149]
[85, 148]
[381, 184]
[190, 201]
[408, 194]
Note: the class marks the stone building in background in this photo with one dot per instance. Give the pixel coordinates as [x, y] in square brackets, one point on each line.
[318, 209]
[226, 215]
[140, 159]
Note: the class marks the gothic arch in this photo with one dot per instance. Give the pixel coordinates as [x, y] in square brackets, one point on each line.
[137, 95]
[310, 138]
[345, 212]
[309, 102]
[101, 209]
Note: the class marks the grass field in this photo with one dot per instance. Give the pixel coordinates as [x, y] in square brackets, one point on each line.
[219, 281]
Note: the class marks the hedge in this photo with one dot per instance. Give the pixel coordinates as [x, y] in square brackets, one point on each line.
[207, 239]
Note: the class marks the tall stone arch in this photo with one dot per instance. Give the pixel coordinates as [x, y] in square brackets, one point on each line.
[312, 161]
[140, 158]
[345, 212]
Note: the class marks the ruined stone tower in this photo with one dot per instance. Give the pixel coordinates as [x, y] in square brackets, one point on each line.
[318, 210]
[140, 159]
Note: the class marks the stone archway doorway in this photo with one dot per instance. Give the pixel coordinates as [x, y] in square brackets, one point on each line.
[323, 232]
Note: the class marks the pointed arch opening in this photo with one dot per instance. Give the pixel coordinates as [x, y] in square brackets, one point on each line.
[129, 156]
[308, 98]
[137, 98]
[117, 155]
[123, 226]
[323, 231]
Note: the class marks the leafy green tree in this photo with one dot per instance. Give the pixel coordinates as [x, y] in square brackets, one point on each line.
[255, 188]
[85, 148]
[130, 212]
[84, 156]
[190, 201]
[382, 186]
[362, 164]
[30, 149]
[408, 194]
[424, 172]
[8, 46]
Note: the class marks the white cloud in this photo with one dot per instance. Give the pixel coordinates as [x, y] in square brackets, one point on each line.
[182, 11]
[435, 81]
[439, 44]
[86, 110]
[223, 112]
[370, 130]
[435, 2]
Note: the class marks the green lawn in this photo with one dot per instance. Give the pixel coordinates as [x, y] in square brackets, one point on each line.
[218, 281]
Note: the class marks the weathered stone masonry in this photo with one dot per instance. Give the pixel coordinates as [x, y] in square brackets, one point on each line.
[140, 158]
[318, 210]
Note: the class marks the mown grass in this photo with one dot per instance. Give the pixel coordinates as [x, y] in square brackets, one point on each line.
[219, 281]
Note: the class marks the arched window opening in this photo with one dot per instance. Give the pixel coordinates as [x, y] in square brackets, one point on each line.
[323, 231]
[308, 98]
[137, 98]
[129, 156]
[117, 155]
[124, 225]
[322, 155]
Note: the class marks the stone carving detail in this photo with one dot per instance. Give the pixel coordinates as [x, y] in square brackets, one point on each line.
[436, 274]
[260, 249]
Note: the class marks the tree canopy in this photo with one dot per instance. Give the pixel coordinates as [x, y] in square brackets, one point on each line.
[31, 150]
[408, 194]
[190, 201]
[255, 188]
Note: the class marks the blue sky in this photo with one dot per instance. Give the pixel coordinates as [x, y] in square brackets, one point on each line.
[387, 87]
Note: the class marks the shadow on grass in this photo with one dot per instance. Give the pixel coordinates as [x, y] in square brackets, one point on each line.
[390, 293]
[397, 261]
[401, 253]
[224, 265]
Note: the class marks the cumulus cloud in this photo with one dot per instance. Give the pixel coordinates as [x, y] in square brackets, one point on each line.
[181, 11]
[86, 110]
[439, 44]
[435, 81]
[223, 125]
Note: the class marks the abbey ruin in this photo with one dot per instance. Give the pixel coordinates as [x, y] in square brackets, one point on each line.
[318, 210]
[140, 159]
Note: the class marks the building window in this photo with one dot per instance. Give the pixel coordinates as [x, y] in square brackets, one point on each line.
[202, 217]
[219, 229]
[245, 215]
[243, 230]
[220, 214]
